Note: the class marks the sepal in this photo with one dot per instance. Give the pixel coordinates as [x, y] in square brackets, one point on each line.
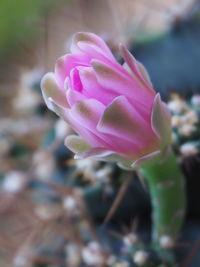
[161, 121]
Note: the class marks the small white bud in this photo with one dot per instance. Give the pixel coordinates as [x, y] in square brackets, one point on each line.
[13, 182]
[29, 77]
[187, 130]
[166, 242]
[140, 257]
[83, 163]
[188, 149]
[27, 99]
[195, 100]
[44, 164]
[69, 203]
[20, 261]
[177, 106]
[46, 211]
[190, 117]
[104, 173]
[92, 254]
[21, 258]
[111, 260]
[176, 121]
[130, 240]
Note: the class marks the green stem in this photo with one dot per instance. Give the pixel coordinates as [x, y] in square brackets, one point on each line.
[167, 196]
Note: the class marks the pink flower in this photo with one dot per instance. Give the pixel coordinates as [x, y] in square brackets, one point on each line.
[113, 108]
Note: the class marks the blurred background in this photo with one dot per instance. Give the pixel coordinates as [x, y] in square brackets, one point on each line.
[52, 208]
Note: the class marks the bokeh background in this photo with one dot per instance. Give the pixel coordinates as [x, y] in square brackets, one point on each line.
[52, 208]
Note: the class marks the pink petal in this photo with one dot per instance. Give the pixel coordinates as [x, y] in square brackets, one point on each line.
[74, 96]
[90, 44]
[51, 90]
[75, 81]
[86, 134]
[122, 120]
[120, 83]
[137, 69]
[66, 63]
[91, 88]
[96, 48]
[88, 112]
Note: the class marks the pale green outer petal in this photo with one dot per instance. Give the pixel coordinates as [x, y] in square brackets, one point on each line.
[125, 165]
[161, 121]
[50, 90]
[76, 144]
[96, 153]
[146, 160]
[118, 120]
[59, 110]
[83, 150]
[144, 73]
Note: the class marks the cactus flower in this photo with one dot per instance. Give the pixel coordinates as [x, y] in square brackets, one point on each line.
[112, 107]
[119, 117]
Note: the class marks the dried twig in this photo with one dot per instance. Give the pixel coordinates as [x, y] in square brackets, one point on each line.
[118, 198]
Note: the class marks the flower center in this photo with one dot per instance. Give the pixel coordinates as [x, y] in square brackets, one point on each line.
[75, 81]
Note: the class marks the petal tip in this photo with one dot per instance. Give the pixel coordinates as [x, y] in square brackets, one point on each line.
[46, 78]
[161, 121]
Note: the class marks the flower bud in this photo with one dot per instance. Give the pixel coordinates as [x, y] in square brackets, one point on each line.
[113, 108]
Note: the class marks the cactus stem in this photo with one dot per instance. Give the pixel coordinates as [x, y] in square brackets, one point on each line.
[167, 196]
